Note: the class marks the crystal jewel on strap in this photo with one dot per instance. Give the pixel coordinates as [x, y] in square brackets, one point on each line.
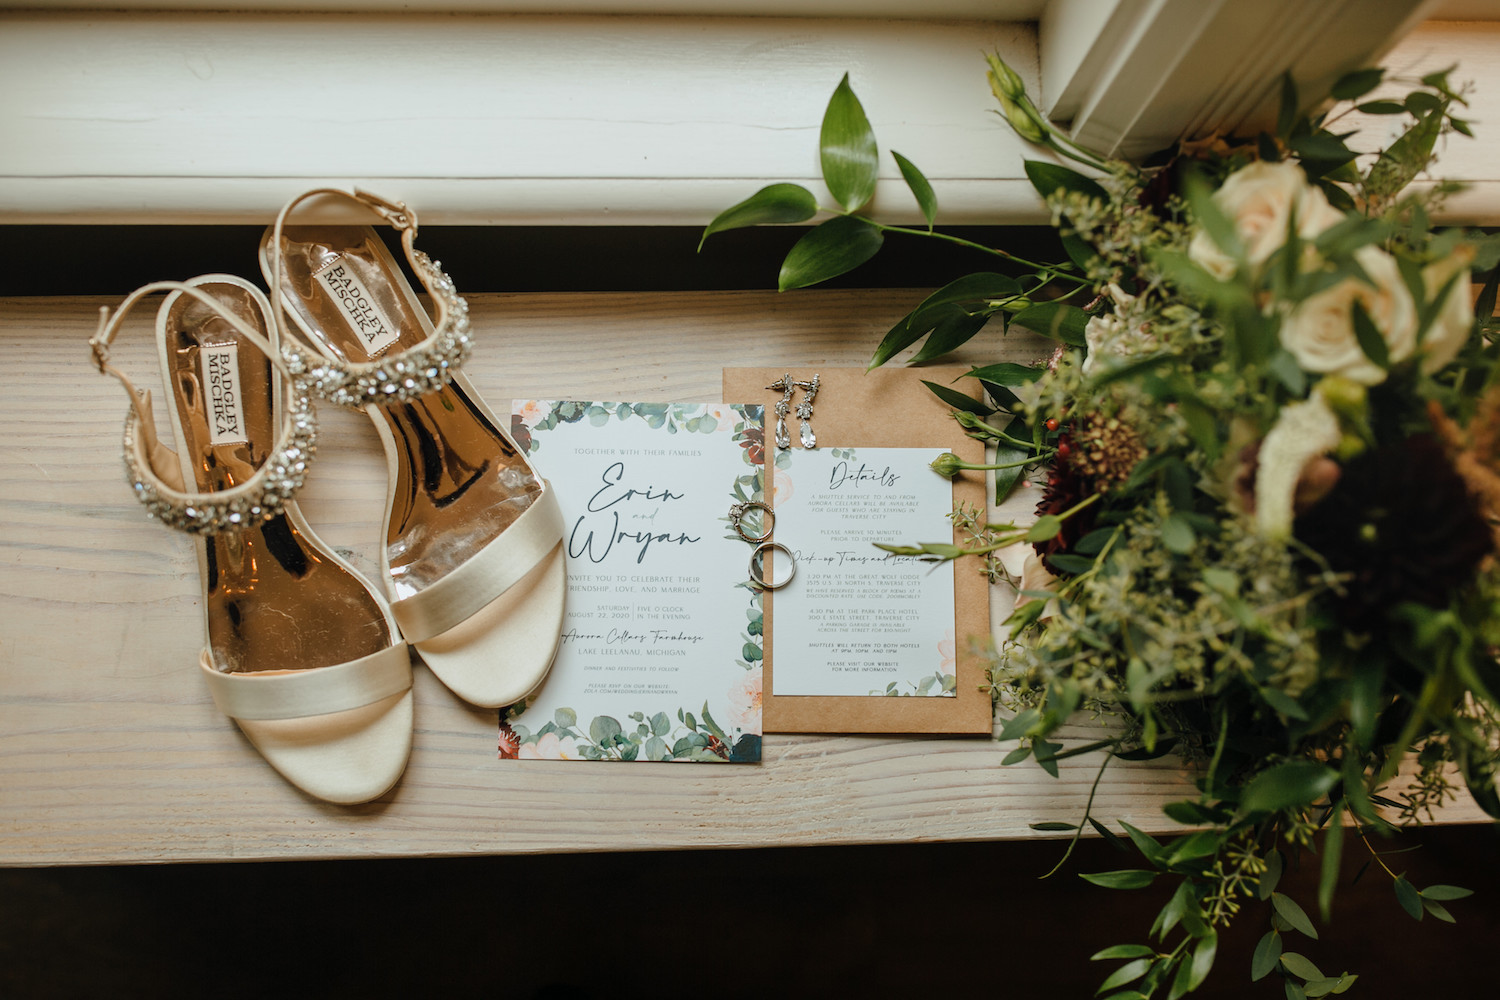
[259, 498]
[425, 368]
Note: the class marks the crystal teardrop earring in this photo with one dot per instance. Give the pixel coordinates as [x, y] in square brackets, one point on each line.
[804, 413]
[783, 408]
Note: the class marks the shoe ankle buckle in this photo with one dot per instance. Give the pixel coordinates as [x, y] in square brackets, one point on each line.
[394, 212]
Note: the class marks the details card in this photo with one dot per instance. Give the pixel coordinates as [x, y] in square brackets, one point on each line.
[856, 620]
[661, 644]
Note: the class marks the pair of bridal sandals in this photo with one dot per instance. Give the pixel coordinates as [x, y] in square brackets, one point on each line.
[305, 654]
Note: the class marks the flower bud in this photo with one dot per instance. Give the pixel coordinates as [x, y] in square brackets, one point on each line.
[1345, 397]
[1024, 124]
[947, 465]
[1003, 79]
[1349, 446]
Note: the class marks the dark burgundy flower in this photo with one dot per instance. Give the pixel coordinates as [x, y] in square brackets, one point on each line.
[1402, 524]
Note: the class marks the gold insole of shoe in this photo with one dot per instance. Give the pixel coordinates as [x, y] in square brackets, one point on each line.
[273, 601]
[459, 482]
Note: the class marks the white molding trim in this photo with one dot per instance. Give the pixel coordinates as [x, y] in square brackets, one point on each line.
[110, 116]
[1133, 75]
[172, 117]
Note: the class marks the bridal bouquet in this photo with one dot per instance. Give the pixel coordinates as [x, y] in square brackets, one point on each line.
[1270, 439]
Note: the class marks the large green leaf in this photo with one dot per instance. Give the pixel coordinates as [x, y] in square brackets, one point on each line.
[1006, 373]
[1288, 785]
[962, 295]
[1049, 178]
[776, 204]
[959, 400]
[920, 188]
[841, 244]
[1054, 319]
[951, 333]
[847, 147]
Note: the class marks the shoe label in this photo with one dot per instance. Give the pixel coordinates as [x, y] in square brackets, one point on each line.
[359, 308]
[222, 393]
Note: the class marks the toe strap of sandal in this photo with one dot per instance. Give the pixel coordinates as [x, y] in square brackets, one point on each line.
[485, 575]
[318, 691]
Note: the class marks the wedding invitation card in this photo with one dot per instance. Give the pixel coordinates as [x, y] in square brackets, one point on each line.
[863, 622]
[661, 645]
[854, 628]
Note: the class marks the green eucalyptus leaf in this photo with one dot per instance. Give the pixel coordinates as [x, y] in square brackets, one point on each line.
[1016, 756]
[1123, 951]
[1300, 965]
[1287, 786]
[1075, 565]
[1093, 543]
[1293, 914]
[1271, 876]
[1356, 84]
[777, 204]
[828, 250]
[565, 718]
[1128, 878]
[1046, 527]
[1333, 853]
[1286, 115]
[1408, 897]
[850, 158]
[1267, 954]
[1203, 959]
[1439, 911]
[1294, 990]
[1178, 535]
[1127, 973]
[1382, 108]
[920, 188]
[1448, 892]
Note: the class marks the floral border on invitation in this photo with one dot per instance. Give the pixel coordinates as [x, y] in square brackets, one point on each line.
[659, 736]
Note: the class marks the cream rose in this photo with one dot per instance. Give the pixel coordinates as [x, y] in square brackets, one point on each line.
[1260, 200]
[1455, 321]
[1320, 330]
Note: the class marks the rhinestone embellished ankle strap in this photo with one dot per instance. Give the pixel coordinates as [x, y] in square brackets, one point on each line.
[426, 367]
[150, 467]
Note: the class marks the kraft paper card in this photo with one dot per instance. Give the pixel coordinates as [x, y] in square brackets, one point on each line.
[860, 641]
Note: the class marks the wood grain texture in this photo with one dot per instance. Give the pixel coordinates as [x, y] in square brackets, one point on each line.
[111, 750]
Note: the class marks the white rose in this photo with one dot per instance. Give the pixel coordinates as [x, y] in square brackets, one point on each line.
[1320, 330]
[1455, 321]
[1260, 200]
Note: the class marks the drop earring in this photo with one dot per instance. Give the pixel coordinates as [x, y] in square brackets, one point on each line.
[804, 413]
[784, 407]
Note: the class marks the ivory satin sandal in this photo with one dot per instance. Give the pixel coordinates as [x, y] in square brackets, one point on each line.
[303, 653]
[473, 552]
